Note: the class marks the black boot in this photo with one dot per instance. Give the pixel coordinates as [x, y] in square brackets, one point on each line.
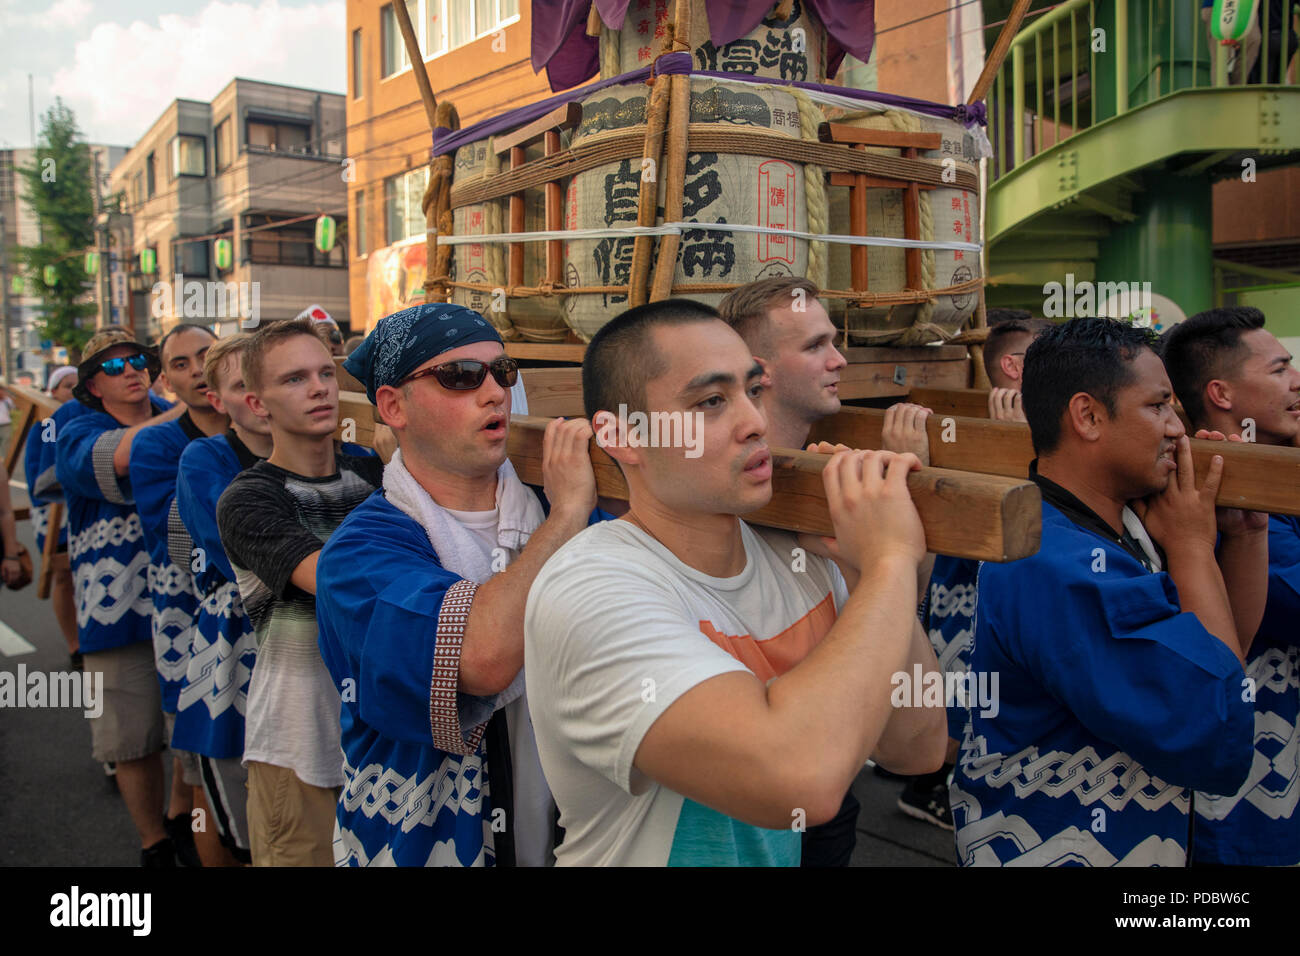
[161, 854]
[182, 838]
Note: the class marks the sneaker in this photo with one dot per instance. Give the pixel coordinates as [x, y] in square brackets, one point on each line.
[925, 799]
[75, 661]
[110, 769]
[182, 839]
[162, 854]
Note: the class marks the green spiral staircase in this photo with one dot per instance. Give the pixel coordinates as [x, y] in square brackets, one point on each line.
[1127, 118]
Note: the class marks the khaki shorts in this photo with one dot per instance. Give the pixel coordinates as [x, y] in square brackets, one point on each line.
[290, 823]
[189, 761]
[131, 725]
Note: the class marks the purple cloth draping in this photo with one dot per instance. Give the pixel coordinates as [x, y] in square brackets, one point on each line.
[446, 140]
[560, 44]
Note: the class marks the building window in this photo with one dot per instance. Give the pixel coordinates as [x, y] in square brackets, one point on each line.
[390, 37]
[357, 72]
[222, 147]
[403, 193]
[190, 257]
[151, 175]
[359, 221]
[454, 23]
[279, 137]
[189, 156]
[290, 245]
[137, 190]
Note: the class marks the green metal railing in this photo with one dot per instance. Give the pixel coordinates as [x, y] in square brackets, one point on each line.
[1057, 91]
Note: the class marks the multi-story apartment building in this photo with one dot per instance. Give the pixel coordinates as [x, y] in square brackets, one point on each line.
[477, 56]
[256, 167]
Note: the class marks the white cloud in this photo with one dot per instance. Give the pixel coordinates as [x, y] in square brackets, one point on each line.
[65, 13]
[122, 77]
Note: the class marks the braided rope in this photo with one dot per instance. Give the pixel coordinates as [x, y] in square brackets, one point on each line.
[814, 178]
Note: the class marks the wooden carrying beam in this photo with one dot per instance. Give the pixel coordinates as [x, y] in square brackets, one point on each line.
[974, 402]
[965, 515]
[1255, 477]
[31, 407]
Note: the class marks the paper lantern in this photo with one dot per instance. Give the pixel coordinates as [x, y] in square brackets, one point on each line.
[325, 233]
[1231, 19]
[222, 251]
[51, 276]
[148, 262]
[92, 263]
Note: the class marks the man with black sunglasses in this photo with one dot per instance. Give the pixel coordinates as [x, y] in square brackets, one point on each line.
[110, 564]
[421, 604]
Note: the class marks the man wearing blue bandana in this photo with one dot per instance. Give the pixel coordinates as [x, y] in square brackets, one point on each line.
[421, 604]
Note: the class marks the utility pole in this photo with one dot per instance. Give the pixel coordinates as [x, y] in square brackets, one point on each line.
[4, 298]
[101, 234]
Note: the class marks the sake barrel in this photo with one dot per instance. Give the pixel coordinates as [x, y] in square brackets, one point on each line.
[718, 188]
[480, 262]
[779, 48]
[947, 213]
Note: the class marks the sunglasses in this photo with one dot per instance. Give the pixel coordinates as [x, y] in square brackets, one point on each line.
[116, 366]
[465, 375]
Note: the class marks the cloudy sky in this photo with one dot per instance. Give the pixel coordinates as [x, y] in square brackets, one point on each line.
[118, 63]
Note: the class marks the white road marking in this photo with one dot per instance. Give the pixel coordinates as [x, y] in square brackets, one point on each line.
[12, 644]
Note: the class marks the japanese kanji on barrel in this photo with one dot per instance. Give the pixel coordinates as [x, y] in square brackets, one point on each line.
[789, 48]
[719, 188]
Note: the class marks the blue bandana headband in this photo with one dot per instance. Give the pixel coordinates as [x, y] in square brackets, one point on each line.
[405, 340]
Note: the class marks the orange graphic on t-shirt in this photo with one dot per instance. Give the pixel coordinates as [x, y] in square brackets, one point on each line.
[776, 655]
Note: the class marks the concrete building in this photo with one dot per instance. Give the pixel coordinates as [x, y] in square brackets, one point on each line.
[254, 167]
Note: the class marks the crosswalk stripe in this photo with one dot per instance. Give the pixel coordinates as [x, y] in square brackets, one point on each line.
[12, 643]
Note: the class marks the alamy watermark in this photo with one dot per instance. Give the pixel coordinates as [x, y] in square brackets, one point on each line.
[946, 689]
[77, 689]
[651, 430]
[1086, 299]
[207, 300]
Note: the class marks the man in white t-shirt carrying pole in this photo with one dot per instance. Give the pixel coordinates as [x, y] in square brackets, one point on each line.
[702, 691]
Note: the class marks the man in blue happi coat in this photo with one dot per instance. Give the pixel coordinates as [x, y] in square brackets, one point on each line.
[110, 565]
[1117, 645]
[155, 458]
[1237, 380]
[420, 601]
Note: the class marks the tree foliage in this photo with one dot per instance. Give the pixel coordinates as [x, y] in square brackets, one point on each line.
[60, 189]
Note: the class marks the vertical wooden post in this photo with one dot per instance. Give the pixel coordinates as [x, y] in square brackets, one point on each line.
[858, 227]
[554, 216]
[46, 578]
[912, 225]
[516, 267]
[674, 164]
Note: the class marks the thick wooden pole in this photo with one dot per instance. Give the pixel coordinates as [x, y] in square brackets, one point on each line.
[674, 164]
[1255, 477]
[966, 515]
[417, 62]
[999, 52]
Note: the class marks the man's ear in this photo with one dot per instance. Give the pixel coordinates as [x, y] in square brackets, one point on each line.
[93, 388]
[1086, 416]
[391, 408]
[258, 409]
[1218, 394]
[1010, 367]
[611, 435]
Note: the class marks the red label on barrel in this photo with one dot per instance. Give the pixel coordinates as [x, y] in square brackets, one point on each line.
[776, 210]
